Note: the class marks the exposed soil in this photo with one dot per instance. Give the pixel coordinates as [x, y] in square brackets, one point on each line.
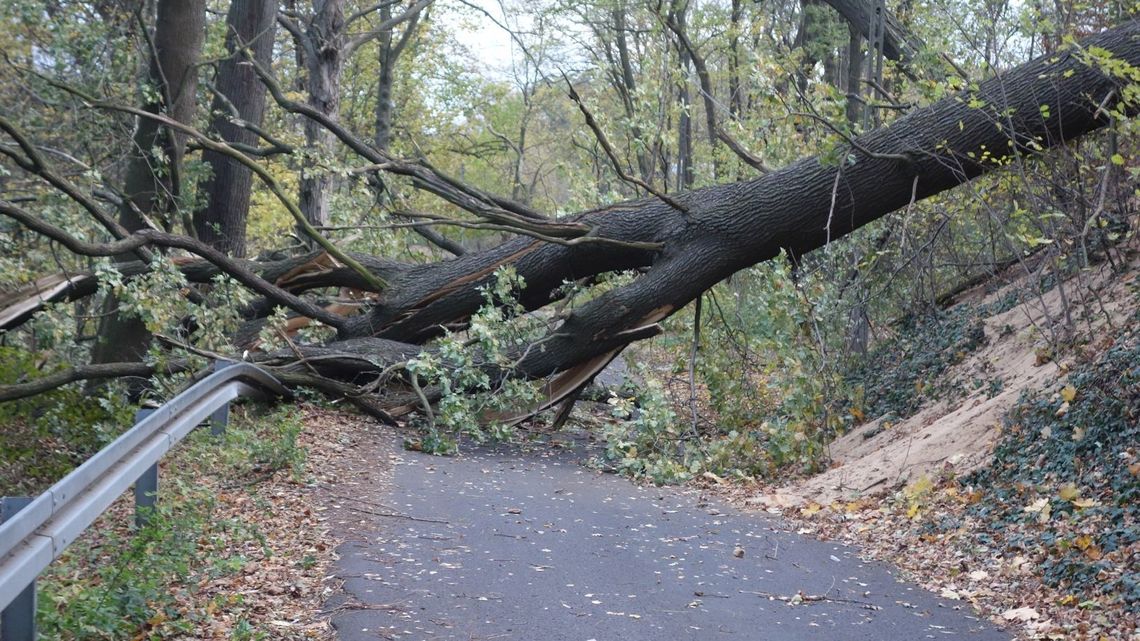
[958, 435]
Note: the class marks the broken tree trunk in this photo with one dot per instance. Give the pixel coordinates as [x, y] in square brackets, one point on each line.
[727, 228]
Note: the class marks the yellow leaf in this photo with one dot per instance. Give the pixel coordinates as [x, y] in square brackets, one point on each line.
[1069, 492]
[811, 508]
[1068, 393]
[921, 486]
[912, 511]
[1083, 503]
[1068, 599]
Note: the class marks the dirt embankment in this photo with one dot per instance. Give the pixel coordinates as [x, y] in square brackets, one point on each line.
[958, 434]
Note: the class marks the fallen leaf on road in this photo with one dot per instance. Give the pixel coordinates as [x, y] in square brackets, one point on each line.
[1020, 614]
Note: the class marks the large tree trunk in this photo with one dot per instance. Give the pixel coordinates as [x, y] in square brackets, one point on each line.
[222, 223]
[178, 34]
[730, 227]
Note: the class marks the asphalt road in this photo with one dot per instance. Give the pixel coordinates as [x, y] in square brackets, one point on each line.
[534, 547]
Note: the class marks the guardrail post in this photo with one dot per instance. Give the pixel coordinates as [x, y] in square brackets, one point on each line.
[18, 620]
[221, 417]
[146, 486]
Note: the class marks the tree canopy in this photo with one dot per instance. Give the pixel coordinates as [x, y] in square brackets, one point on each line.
[465, 210]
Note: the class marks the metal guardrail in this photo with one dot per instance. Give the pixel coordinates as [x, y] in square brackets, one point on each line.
[34, 532]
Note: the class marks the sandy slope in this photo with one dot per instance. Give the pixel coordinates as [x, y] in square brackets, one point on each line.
[959, 434]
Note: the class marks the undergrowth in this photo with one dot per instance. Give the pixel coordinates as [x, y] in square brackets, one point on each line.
[902, 373]
[780, 420]
[1065, 476]
[44, 437]
[117, 582]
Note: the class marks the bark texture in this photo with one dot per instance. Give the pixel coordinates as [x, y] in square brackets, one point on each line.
[177, 45]
[324, 43]
[222, 222]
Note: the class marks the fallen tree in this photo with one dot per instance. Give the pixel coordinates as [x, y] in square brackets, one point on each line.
[684, 244]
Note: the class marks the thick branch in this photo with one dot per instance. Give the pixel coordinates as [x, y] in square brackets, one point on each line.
[86, 373]
[154, 237]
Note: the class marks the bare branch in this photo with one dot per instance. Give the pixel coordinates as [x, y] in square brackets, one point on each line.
[411, 14]
[164, 239]
[35, 165]
[87, 373]
[714, 131]
[261, 172]
[612, 155]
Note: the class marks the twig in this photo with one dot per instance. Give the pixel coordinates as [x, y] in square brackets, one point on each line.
[612, 155]
[903, 158]
[810, 598]
[395, 515]
[693, 366]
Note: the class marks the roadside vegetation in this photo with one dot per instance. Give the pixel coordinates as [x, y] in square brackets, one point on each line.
[232, 550]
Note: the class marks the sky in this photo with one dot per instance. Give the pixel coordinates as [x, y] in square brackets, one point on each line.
[490, 43]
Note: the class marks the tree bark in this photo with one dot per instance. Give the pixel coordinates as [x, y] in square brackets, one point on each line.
[735, 95]
[387, 78]
[177, 45]
[325, 40]
[222, 223]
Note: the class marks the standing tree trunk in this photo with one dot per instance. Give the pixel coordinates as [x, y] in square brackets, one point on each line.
[222, 222]
[735, 95]
[323, 47]
[153, 181]
[627, 89]
[389, 53]
[685, 175]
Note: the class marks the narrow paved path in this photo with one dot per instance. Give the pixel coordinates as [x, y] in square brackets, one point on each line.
[535, 547]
